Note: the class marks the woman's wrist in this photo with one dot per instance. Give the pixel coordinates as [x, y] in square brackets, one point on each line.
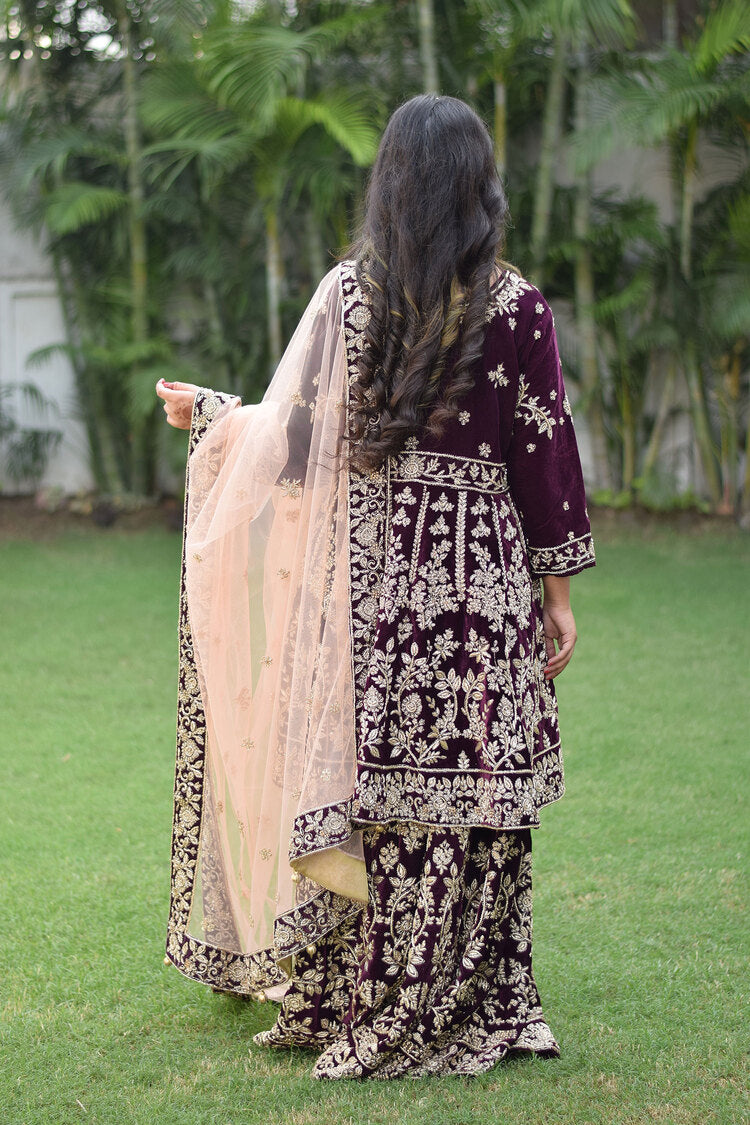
[556, 590]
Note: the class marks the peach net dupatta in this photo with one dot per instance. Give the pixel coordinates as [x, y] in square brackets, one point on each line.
[265, 858]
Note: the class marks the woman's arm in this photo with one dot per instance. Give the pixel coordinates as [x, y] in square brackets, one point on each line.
[559, 623]
[544, 469]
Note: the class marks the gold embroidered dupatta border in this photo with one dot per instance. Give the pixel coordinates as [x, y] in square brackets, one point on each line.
[198, 854]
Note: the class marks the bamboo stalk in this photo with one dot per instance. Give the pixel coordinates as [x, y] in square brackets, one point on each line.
[316, 253]
[551, 129]
[427, 52]
[585, 297]
[662, 414]
[500, 123]
[701, 424]
[144, 437]
[274, 276]
[669, 23]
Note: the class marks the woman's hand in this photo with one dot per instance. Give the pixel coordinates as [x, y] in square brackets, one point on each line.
[178, 402]
[559, 624]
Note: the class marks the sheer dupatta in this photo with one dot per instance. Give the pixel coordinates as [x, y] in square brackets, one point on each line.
[266, 740]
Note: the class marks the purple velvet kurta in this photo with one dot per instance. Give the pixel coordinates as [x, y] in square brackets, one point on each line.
[456, 723]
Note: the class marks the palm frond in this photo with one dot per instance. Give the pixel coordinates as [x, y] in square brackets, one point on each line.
[609, 23]
[633, 295]
[343, 116]
[174, 103]
[726, 32]
[75, 205]
[739, 223]
[50, 154]
[216, 156]
[40, 357]
[646, 106]
[248, 69]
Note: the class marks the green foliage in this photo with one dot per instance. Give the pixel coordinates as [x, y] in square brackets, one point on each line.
[75, 205]
[25, 450]
[254, 126]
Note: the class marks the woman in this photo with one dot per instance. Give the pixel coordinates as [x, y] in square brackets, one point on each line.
[375, 604]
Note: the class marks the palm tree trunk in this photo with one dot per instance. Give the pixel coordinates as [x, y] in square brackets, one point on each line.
[85, 393]
[427, 52]
[628, 438]
[220, 367]
[691, 364]
[274, 279]
[316, 253]
[701, 423]
[669, 23]
[728, 387]
[584, 296]
[145, 433]
[629, 412]
[545, 184]
[500, 123]
[745, 505]
[660, 423]
[689, 177]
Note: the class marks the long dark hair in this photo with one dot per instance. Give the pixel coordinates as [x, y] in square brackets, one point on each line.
[431, 236]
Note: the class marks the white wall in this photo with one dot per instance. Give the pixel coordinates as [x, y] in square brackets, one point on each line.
[31, 318]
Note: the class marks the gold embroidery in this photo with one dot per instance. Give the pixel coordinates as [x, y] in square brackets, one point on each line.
[460, 548]
[498, 378]
[291, 488]
[450, 471]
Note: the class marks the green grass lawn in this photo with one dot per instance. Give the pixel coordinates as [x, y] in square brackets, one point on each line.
[640, 946]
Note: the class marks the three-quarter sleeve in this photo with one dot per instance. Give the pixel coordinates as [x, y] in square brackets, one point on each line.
[544, 468]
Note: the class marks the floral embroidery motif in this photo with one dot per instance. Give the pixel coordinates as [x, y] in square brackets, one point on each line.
[530, 412]
[450, 470]
[506, 295]
[291, 488]
[498, 378]
[434, 976]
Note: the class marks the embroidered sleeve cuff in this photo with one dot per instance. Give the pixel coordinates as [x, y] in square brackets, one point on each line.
[567, 558]
[205, 406]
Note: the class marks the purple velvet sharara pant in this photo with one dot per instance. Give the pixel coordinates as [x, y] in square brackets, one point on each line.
[434, 976]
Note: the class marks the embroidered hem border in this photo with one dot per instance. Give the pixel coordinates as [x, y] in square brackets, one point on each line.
[481, 801]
